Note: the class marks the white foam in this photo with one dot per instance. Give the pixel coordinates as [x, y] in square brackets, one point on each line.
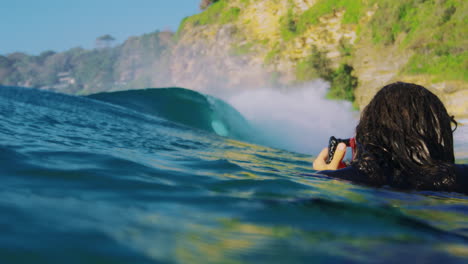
[460, 138]
[299, 119]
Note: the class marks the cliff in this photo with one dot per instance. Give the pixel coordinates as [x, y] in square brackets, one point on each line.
[357, 45]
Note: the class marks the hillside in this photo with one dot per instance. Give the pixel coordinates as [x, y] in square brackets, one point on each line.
[357, 45]
[138, 62]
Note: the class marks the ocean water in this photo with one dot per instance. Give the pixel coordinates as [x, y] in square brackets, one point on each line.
[126, 177]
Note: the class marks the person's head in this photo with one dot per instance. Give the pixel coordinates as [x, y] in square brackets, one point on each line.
[404, 139]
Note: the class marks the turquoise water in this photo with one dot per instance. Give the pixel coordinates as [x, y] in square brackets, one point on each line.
[87, 181]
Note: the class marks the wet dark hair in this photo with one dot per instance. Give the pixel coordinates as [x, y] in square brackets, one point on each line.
[404, 139]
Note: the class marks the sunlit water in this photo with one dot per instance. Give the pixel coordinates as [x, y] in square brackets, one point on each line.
[85, 181]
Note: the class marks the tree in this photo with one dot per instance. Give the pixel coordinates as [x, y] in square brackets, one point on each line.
[104, 41]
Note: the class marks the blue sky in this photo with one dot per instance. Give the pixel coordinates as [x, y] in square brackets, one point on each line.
[33, 26]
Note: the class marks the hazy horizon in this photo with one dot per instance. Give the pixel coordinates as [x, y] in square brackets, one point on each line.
[33, 27]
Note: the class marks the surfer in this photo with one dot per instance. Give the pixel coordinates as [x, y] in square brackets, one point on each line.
[404, 139]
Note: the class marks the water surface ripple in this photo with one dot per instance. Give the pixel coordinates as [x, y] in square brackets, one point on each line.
[88, 182]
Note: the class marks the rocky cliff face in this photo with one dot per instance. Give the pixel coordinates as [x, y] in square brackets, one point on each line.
[251, 50]
[265, 42]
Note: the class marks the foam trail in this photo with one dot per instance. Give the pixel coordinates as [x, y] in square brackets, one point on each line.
[300, 120]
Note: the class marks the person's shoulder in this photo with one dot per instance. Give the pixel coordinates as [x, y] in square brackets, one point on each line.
[461, 172]
[349, 173]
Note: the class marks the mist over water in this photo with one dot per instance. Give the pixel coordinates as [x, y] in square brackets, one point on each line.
[299, 120]
[460, 138]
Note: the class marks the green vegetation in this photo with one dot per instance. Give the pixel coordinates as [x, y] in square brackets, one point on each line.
[211, 14]
[239, 49]
[354, 9]
[345, 47]
[181, 28]
[243, 49]
[216, 13]
[230, 15]
[342, 82]
[443, 66]
[416, 18]
[435, 30]
[293, 25]
[305, 71]
[288, 24]
[95, 65]
[314, 66]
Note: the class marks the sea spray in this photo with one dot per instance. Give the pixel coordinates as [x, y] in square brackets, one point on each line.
[299, 119]
[460, 138]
